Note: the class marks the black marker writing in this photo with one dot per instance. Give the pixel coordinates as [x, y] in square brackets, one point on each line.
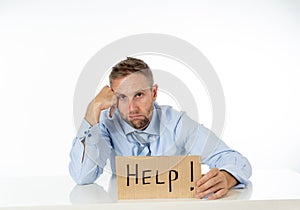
[170, 178]
[192, 174]
[136, 174]
[156, 179]
[146, 177]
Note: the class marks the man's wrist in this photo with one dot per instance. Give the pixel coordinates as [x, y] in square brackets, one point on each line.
[90, 122]
[231, 180]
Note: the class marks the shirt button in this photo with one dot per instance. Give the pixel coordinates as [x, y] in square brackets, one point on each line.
[89, 135]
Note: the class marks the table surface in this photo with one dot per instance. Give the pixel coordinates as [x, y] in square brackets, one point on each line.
[271, 188]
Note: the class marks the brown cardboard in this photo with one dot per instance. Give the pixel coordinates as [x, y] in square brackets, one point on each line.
[142, 177]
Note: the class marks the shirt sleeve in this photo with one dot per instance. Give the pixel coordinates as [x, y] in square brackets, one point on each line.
[214, 152]
[86, 164]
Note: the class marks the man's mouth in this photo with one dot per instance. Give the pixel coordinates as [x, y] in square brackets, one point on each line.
[135, 116]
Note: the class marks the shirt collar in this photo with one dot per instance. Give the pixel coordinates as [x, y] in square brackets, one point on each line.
[153, 127]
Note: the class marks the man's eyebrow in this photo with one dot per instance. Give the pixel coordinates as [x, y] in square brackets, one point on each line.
[134, 92]
[140, 90]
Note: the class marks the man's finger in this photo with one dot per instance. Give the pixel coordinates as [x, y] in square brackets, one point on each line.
[115, 102]
[112, 110]
[208, 188]
[209, 184]
[219, 194]
[212, 173]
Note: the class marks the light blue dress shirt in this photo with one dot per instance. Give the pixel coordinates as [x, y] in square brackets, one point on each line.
[170, 133]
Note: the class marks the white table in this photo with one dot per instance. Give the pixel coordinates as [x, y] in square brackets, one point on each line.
[269, 190]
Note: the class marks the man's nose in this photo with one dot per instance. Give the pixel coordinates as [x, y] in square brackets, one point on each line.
[132, 105]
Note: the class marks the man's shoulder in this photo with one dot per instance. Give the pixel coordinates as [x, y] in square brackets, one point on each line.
[168, 113]
[172, 116]
[165, 108]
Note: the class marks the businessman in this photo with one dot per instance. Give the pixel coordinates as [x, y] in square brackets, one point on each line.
[124, 120]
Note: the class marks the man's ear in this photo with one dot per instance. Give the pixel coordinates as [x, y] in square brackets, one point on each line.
[154, 91]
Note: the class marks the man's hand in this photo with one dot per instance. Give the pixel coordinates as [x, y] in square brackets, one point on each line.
[104, 100]
[215, 184]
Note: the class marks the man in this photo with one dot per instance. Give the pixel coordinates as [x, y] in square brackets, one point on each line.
[125, 120]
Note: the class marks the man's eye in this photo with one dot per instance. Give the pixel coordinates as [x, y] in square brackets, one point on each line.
[140, 94]
[122, 97]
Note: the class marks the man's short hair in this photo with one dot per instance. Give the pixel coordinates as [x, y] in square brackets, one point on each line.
[129, 66]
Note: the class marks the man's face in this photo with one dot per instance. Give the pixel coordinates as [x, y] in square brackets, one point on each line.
[135, 99]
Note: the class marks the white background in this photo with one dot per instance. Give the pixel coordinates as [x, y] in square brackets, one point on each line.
[254, 47]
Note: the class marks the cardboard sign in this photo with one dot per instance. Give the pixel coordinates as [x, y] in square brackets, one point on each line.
[157, 176]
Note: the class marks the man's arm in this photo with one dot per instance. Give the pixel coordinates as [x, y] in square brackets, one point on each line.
[228, 168]
[88, 155]
[91, 147]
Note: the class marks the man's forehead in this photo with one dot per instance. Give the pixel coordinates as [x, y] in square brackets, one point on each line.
[129, 84]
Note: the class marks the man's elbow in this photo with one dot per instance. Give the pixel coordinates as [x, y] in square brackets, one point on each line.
[82, 181]
[81, 178]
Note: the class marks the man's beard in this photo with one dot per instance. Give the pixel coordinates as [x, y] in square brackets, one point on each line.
[140, 124]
